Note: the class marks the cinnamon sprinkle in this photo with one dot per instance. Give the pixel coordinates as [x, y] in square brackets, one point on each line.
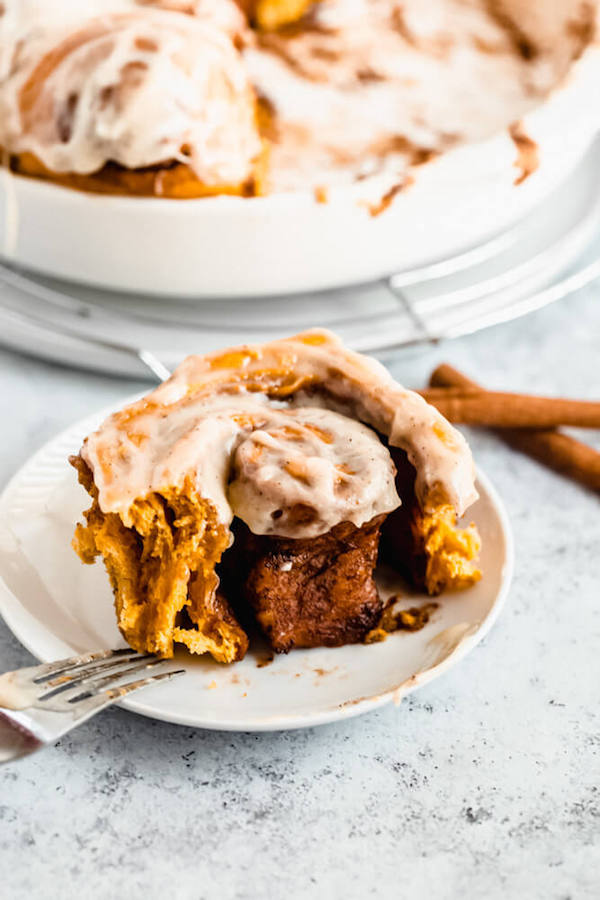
[584, 28]
[412, 619]
[515, 34]
[375, 209]
[438, 46]
[265, 659]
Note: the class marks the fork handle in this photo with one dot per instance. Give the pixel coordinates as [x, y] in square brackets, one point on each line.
[15, 739]
[24, 731]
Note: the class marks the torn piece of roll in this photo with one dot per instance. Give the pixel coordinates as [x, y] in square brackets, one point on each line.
[303, 451]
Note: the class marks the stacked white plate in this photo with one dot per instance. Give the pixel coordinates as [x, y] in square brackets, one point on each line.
[156, 279]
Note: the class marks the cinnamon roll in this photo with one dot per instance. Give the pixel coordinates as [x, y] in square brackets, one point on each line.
[144, 101]
[269, 478]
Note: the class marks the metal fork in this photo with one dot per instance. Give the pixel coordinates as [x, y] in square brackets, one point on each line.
[39, 704]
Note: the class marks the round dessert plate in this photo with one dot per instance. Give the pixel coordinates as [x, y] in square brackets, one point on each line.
[57, 607]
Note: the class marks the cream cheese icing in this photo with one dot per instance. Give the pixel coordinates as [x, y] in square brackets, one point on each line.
[290, 472]
[269, 432]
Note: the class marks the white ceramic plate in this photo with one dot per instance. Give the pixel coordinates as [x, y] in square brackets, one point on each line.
[56, 607]
[285, 243]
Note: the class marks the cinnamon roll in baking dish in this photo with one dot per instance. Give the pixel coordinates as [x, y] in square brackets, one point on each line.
[268, 480]
[146, 101]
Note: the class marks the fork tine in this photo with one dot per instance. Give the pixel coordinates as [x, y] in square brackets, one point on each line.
[117, 692]
[49, 669]
[89, 703]
[80, 673]
[91, 681]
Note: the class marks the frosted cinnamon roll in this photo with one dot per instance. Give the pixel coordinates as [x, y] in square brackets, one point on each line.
[262, 478]
[144, 101]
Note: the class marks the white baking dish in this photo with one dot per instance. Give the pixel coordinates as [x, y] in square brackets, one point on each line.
[233, 247]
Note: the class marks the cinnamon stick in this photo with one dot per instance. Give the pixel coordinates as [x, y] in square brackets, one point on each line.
[495, 409]
[559, 451]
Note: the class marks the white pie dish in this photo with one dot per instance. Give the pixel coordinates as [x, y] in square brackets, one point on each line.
[56, 607]
[284, 243]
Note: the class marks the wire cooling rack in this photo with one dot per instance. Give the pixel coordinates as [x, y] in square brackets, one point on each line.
[547, 256]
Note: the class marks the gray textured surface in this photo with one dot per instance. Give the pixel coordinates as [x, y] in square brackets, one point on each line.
[483, 784]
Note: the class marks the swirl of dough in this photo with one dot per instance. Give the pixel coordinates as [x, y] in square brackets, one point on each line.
[306, 470]
[139, 88]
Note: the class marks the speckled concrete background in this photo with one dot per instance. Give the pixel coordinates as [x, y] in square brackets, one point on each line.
[485, 783]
